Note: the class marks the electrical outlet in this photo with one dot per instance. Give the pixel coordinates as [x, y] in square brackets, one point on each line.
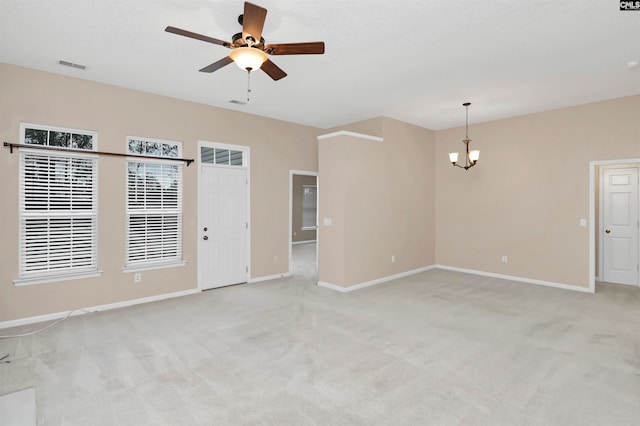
[275, 259]
[504, 259]
[137, 278]
[393, 258]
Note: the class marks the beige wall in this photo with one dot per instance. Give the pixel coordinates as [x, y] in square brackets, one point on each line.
[523, 200]
[36, 97]
[297, 234]
[331, 205]
[529, 190]
[380, 198]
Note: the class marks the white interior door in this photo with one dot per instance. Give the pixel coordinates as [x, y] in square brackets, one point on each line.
[224, 227]
[620, 225]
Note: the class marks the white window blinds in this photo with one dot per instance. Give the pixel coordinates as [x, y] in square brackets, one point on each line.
[58, 214]
[154, 205]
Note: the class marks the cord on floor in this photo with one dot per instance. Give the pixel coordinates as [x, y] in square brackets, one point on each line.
[5, 355]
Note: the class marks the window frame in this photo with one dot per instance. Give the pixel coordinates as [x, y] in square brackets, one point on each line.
[26, 277]
[307, 227]
[167, 160]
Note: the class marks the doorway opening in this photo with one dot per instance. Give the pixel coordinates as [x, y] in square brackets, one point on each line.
[303, 223]
[614, 223]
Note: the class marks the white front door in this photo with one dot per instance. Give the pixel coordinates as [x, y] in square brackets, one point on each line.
[224, 227]
[620, 225]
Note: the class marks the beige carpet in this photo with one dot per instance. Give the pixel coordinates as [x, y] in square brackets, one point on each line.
[438, 348]
[18, 408]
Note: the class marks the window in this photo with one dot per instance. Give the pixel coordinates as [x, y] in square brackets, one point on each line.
[58, 208]
[219, 156]
[154, 204]
[309, 206]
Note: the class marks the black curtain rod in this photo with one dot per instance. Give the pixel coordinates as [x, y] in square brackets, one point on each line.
[84, 151]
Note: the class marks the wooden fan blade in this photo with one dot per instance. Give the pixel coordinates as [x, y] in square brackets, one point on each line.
[197, 36]
[253, 21]
[308, 48]
[273, 70]
[217, 65]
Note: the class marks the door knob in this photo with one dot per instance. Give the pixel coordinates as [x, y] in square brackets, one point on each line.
[205, 238]
[608, 231]
[205, 229]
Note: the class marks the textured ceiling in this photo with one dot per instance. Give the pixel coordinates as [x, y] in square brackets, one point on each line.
[413, 60]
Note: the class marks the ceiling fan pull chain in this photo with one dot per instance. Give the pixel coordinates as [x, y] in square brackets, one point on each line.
[248, 84]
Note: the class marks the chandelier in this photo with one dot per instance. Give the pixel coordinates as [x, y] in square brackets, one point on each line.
[471, 157]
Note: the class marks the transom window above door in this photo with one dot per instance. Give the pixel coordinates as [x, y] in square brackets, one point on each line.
[220, 156]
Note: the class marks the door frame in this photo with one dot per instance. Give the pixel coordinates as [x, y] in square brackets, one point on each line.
[246, 155]
[302, 173]
[594, 193]
[601, 211]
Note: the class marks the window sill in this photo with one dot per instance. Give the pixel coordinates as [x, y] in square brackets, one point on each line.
[150, 266]
[55, 278]
[309, 228]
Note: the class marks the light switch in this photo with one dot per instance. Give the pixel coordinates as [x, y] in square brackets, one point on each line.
[327, 221]
[583, 222]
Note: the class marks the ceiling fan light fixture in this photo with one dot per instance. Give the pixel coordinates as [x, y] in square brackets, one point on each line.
[248, 58]
[248, 49]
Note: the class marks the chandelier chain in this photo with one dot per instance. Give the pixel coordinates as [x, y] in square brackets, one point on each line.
[466, 130]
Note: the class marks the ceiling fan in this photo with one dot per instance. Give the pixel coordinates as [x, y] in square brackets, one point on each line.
[248, 48]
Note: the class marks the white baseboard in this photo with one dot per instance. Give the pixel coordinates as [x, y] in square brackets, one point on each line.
[82, 311]
[374, 282]
[333, 287]
[269, 277]
[519, 279]
[58, 315]
[303, 242]
[456, 269]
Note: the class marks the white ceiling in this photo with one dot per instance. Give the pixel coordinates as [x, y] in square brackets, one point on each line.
[413, 60]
